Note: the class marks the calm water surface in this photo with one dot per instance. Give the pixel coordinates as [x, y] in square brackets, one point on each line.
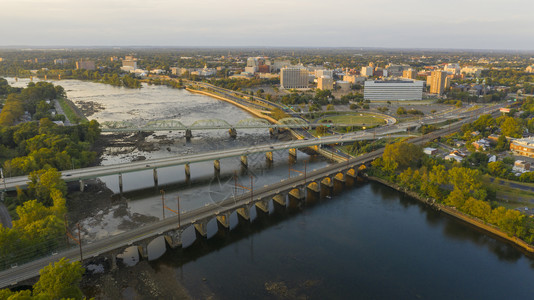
[370, 242]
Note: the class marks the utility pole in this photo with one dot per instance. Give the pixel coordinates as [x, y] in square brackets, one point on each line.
[162, 203]
[178, 211]
[251, 187]
[80, 241]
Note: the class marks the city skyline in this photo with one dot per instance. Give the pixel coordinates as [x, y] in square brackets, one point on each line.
[470, 24]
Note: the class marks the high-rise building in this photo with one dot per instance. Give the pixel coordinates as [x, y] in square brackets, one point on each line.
[85, 64]
[294, 78]
[325, 83]
[438, 82]
[367, 71]
[410, 74]
[376, 90]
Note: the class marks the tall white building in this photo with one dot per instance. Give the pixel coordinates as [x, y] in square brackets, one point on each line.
[294, 78]
[376, 90]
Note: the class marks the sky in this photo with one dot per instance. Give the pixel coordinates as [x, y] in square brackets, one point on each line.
[455, 24]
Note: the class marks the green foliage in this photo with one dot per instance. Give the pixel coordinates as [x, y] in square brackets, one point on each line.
[403, 154]
[57, 281]
[401, 111]
[499, 169]
[60, 280]
[511, 127]
[278, 114]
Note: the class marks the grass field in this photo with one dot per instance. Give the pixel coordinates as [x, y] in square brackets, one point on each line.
[356, 119]
[70, 113]
[510, 196]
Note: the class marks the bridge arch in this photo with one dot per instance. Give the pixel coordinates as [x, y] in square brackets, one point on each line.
[212, 123]
[164, 124]
[252, 122]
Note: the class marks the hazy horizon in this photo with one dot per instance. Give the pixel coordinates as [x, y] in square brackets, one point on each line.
[388, 24]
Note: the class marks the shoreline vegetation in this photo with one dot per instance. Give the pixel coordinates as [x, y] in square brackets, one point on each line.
[480, 224]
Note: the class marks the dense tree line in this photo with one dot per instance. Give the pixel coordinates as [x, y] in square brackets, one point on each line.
[236, 84]
[456, 186]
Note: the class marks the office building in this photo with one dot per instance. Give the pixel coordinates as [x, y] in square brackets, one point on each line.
[523, 147]
[294, 78]
[367, 71]
[325, 83]
[85, 64]
[438, 82]
[395, 90]
[409, 74]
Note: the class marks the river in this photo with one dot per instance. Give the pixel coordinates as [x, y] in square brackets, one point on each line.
[368, 242]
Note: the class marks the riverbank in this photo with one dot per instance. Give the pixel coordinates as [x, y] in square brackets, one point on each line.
[460, 216]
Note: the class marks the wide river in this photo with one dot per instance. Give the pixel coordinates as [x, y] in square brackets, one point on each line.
[367, 242]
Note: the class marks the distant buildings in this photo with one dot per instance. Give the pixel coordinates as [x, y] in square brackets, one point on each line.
[473, 71]
[60, 61]
[354, 79]
[85, 64]
[129, 63]
[452, 69]
[323, 72]
[376, 90]
[325, 83]
[523, 147]
[409, 74]
[367, 71]
[294, 78]
[438, 82]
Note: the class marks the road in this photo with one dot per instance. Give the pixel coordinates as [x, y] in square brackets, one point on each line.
[19, 273]
[93, 172]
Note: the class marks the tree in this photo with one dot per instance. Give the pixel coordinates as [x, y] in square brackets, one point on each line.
[60, 280]
[43, 182]
[502, 144]
[404, 154]
[330, 107]
[498, 169]
[401, 111]
[510, 127]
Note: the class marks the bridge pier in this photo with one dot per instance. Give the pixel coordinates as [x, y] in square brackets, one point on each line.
[244, 212]
[201, 228]
[82, 186]
[326, 187]
[143, 251]
[313, 190]
[339, 182]
[351, 176]
[244, 161]
[173, 238]
[217, 167]
[155, 171]
[223, 220]
[120, 182]
[263, 205]
[293, 153]
[187, 171]
[233, 133]
[280, 200]
[188, 134]
[269, 157]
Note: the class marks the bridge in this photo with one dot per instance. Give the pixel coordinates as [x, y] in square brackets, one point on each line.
[210, 124]
[12, 183]
[289, 192]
